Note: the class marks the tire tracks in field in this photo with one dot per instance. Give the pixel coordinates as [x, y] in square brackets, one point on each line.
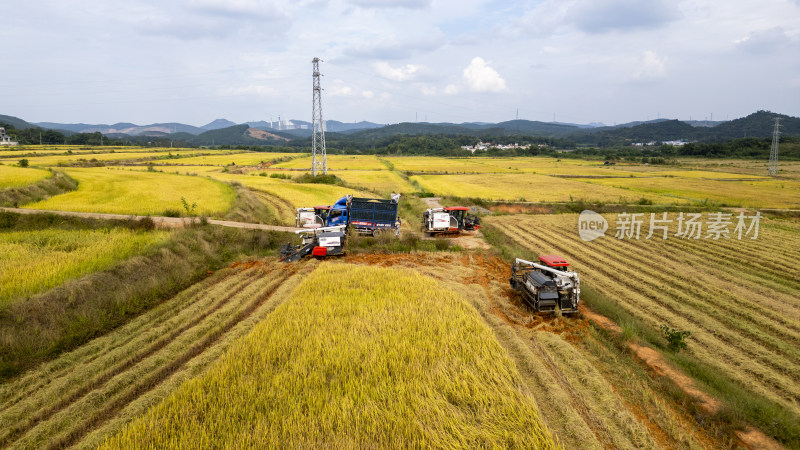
[726, 342]
[765, 353]
[151, 381]
[98, 382]
[283, 208]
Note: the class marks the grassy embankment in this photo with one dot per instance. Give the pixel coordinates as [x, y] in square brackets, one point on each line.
[81, 308]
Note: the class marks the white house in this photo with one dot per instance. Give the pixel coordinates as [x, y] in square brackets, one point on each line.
[4, 138]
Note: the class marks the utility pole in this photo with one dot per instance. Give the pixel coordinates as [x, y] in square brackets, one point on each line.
[773, 152]
[319, 159]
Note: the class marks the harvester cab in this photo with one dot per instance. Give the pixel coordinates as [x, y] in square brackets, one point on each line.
[319, 242]
[548, 286]
[451, 219]
[312, 217]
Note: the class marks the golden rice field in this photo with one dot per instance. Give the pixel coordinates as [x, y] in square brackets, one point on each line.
[768, 193]
[296, 194]
[34, 261]
[337, 163]
[83, 396]
[239, 159]
[431, 375]
[450, 165]
[433, 350]
[54, 160]
[11, 176]
[531, 188]
[143, 193]
[381, 180]
[740, 299]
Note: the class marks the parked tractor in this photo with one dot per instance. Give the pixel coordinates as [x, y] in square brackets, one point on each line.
[547, 286]
[451, 219]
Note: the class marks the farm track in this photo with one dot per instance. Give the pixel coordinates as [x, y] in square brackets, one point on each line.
[717, 314]
[57, 405]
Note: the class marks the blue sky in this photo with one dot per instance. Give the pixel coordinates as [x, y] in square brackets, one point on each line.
[389, 61]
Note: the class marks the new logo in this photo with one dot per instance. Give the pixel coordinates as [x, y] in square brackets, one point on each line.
[591, 225]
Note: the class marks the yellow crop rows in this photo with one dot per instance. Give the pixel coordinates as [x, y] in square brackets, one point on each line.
[20, 176]
[337, 162]
[752, 194]
[528, 187]
[357, 357]
[121, 192]
[380, 180]
[739, 298]
[37, 260]
[238, 159]
[81, 397]
[297, 194]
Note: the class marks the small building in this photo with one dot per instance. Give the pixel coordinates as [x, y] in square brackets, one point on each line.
[4, 138]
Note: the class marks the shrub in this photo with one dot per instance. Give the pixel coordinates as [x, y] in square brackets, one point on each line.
[676, 340]
[23, 162]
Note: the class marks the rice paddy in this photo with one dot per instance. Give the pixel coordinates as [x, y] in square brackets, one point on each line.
[11, 176]
[431, 375]
[34, 261]
[530, 188]
[140, 193]
[738, 298]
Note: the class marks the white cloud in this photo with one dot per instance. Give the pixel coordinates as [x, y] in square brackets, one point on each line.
[451, 89]
[651, 66]
[367, 94]
[402, 73]
[765, 41]
[482, 78]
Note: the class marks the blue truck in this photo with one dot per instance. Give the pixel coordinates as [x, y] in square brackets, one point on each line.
[364, 215]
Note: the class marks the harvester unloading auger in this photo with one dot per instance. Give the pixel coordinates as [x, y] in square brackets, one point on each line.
[549, 286]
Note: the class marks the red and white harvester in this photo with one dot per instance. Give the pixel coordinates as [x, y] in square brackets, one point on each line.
[548, 286]
[450, 219]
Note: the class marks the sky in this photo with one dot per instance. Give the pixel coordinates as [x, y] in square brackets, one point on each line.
[391, 61]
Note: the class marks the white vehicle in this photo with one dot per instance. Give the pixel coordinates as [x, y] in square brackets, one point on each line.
[451, 219]
[312, 217]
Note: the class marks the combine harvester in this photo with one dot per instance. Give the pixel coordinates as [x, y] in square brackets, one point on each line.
[319, 242]
[451, 219]
[325, 228]
[549, 286]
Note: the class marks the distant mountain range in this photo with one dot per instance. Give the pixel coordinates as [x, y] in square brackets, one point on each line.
[226, 132]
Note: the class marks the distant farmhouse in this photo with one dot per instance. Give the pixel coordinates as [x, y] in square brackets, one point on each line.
[4, 138]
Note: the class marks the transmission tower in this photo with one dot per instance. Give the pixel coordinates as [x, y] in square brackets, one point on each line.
[319, 160]
[773, 153]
